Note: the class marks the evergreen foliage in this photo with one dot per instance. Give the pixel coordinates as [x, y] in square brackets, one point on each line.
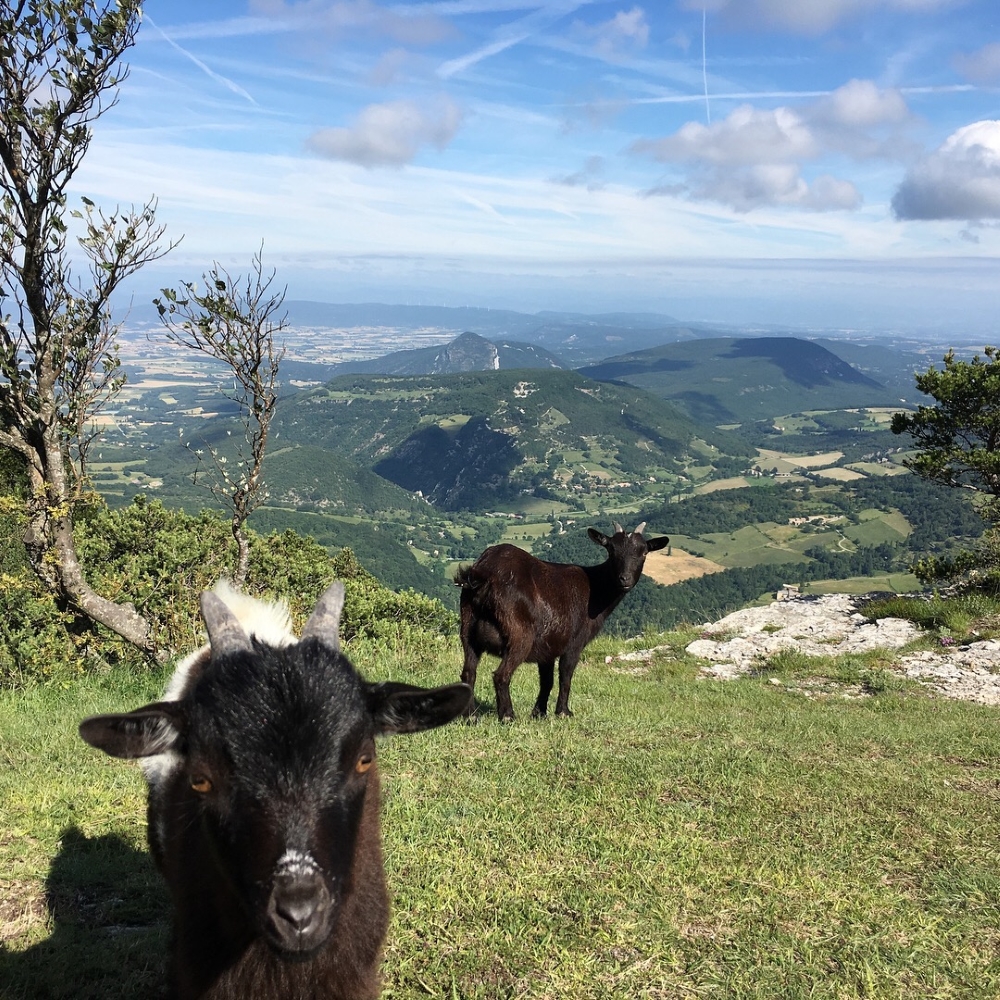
[958, 441]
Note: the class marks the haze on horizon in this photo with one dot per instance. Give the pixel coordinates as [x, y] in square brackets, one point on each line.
[826, 164]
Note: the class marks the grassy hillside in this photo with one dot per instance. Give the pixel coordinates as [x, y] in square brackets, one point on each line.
[476, 440]
[730, 380]
[676, 839]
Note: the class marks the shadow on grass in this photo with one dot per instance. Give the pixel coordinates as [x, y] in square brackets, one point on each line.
[110, 921]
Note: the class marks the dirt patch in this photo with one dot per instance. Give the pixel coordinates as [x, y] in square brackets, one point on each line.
[679, 565]
[22, 906]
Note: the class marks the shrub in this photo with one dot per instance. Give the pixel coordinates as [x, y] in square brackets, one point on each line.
[160, 560]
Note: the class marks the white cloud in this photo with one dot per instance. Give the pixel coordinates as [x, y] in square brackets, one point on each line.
[590, 176]
[808, 17]
[421, 27]
[981, 66]
[774, 184]
[389, 68]
[390, 134]
[754, 157]
[747, 137]
[626, 31]
[959, 180]
[860, 104]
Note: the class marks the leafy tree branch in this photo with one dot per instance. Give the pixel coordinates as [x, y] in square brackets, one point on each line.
[235, 321]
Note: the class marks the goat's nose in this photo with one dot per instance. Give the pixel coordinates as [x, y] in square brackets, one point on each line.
[298, 908]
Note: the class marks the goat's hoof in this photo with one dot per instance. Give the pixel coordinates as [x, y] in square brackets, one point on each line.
[539, 713]
[564, 713]
[506, 718]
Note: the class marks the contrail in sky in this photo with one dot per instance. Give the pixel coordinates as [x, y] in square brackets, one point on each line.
[513, 34]
[704, 68]
[225, 81]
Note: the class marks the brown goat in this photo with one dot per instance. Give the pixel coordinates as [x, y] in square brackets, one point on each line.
[522, 609]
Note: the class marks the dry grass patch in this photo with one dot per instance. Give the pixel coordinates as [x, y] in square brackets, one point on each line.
[679, 565]
[801, 461]
[841, 475]
[733, 483]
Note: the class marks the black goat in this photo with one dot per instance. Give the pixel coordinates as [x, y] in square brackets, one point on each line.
[264, 803]
[522, 609]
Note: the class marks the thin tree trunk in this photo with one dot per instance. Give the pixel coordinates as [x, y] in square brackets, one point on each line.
[51, 550]
[243, 549]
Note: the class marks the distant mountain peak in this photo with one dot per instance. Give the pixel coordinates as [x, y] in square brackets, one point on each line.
[468, 352]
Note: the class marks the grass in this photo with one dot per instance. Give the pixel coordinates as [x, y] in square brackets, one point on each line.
[677, 838]
[962, 618]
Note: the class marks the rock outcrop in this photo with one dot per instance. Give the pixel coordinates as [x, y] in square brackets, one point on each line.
[832, 625]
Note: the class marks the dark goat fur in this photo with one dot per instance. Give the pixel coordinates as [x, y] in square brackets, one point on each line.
[264, 807]
[522, 609]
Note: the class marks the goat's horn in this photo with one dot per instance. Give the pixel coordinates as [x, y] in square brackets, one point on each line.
[324, 622]
[639, 528]
[225, 633]
[618, 528]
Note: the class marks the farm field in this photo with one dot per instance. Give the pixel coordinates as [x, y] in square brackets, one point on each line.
[722, 840]
[679, 565]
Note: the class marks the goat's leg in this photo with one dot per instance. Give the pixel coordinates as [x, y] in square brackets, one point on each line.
[545, 673]
[567, 664]
[509, 662]
[469, 673]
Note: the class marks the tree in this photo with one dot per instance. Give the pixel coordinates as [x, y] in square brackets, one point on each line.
[235, 321]
[60, 69]
[958, 439]
[959, 445]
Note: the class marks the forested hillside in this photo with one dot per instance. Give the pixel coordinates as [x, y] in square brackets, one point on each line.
[473, 441]
[731, 380]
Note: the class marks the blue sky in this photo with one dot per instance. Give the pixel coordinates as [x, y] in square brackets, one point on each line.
[814, 163]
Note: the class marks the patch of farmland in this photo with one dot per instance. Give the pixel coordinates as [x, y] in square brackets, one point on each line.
[878, 469]
[767, 457]
[840, 475]
[733, 483]
[877, 527]
[678, 566]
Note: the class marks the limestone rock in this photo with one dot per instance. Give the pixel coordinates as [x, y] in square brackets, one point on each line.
[831, 625]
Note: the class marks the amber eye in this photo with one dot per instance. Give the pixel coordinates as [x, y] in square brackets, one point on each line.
[365, 761]
[201, 784]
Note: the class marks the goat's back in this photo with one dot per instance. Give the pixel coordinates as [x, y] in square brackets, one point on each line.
[506, 569]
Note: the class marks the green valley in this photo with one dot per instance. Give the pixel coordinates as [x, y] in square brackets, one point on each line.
[418, 473]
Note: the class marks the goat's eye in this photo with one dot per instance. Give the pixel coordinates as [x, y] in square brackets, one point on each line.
[365, 761]
[201, 784]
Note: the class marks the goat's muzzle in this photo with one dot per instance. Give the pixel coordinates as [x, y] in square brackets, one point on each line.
[299, 912]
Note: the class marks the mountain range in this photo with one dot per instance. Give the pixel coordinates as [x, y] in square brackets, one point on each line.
[719, 380]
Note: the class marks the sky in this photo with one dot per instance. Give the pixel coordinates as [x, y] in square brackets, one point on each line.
[807, 163]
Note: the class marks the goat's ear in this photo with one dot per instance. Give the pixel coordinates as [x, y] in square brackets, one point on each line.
[404, 708]
[147, 731]
[597, 537]
[652, 544]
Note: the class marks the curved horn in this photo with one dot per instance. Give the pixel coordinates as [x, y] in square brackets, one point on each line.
[639, 528]
[618, 528]
[324, 622]
[225, 633]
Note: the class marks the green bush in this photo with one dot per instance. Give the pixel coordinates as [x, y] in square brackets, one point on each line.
[36, 639]
[160, 560]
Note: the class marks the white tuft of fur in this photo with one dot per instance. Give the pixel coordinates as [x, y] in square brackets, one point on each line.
[269, 621]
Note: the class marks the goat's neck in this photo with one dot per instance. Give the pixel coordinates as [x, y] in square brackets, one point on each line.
[605, 591]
